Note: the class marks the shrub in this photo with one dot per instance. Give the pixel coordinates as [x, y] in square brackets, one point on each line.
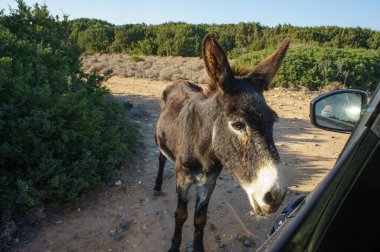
[59, 137]
[135, 58]
[315, 67]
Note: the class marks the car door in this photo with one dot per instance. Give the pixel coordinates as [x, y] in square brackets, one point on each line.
[339, 213]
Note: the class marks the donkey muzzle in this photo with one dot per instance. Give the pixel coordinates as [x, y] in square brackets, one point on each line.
[267, 191]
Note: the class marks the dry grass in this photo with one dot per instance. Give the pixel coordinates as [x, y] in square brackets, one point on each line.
[152, 67]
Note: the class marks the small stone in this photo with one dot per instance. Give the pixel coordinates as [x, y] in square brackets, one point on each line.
[248, 243]
[118, 183]
[189, 248]
[139, 182]
[157, 212]
[17, 240]
[238, 237]
[112, 232]
[212, 227]
[316, 144]
[217, 237]
[110, 184]
[284, 163]
[78, 210]
[229, 191]
[118, 237]
[58, 222]
[128, 105]
[166, 211]
[124, 224]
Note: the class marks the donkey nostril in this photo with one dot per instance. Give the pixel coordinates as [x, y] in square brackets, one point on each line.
[268, 198]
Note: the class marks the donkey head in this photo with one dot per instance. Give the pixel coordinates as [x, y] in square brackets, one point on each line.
[242, 134]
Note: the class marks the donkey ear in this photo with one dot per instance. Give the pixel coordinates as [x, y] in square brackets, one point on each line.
[217, 66]
[269, 66]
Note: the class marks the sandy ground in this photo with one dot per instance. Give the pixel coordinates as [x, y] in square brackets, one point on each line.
[307, 155]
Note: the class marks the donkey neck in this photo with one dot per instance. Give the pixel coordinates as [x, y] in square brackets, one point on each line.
[205, 112]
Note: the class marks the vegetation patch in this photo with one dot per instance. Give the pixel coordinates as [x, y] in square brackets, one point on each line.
[136, 58]
[315, 67]
[59, 136]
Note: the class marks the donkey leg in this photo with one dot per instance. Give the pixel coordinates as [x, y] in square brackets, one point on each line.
[200, 215]
[183, 186]
[159, 179]
[180, 218]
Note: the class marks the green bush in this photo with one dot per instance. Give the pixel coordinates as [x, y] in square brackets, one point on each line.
[315, 67]
[59, 137]
[182, 39]
[136, 58]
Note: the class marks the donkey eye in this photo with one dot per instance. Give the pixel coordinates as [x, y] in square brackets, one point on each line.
[238, 125]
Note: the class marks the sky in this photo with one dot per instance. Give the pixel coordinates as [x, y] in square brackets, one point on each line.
[344, 13]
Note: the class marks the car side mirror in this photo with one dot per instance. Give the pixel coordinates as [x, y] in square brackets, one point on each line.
[339, 110]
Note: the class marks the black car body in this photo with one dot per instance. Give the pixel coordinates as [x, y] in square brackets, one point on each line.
[341, 214]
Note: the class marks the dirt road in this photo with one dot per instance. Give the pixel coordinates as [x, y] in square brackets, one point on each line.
[307, 155]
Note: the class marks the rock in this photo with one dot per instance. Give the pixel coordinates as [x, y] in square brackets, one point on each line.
[229, 191]
[110, 184]
[118, 237]
[219, 241]
[212, 227]
[217, 237]
[139, 182]
[124, 224]
[128, 105]
[112, 232]
[248, 243]
[118, 183]
[189, 248]
[238, 237]
[157, 212]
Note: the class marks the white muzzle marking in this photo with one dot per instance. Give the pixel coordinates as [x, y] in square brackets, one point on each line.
[270, 178]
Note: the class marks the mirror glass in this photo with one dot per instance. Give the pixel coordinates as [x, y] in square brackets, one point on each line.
[340, 111]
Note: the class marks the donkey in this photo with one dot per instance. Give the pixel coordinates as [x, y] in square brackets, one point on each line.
[228, 124]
